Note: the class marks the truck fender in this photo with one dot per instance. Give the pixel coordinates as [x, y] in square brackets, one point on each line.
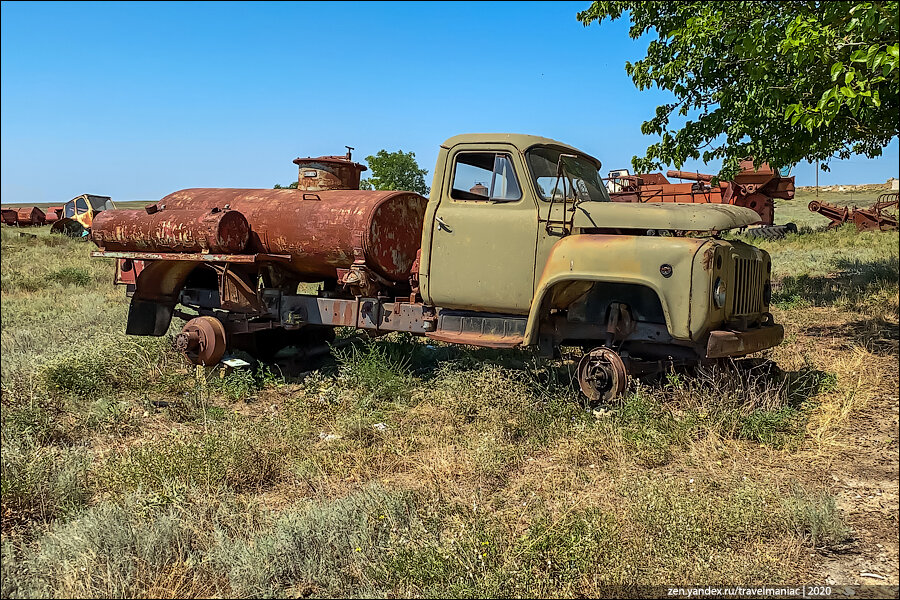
[155, 295]
[597, 258]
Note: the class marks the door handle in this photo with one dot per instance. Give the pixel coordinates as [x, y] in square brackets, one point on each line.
[442, 225]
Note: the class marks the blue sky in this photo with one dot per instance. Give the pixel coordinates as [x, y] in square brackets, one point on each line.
[138, 100]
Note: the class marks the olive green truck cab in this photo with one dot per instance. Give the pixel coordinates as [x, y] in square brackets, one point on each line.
[546, 243]
[520, 247]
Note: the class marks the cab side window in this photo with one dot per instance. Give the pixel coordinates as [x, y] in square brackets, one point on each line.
[81, 206]
[485, 176]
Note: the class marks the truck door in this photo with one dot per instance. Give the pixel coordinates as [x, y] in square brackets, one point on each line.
[483, 237]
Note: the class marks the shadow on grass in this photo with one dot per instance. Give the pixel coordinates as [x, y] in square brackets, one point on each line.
[418, 357]
[878, 336]
[743, 400]
[856, 284]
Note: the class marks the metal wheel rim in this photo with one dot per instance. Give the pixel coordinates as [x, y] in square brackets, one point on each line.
[211, 346]
[601, 375]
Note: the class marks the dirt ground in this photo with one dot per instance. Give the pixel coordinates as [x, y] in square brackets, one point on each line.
[858, 464]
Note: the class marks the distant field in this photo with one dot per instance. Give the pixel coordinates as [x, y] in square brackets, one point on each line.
[44, 206]
[406, 468]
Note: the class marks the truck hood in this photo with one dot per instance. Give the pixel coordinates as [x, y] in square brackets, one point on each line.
[678, 216]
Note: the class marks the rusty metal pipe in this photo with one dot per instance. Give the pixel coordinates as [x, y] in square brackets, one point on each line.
[215, 231]
[689, 175]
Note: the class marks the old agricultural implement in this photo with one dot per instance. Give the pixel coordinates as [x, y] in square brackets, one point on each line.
[880, 216]
[27, 216]
[54, 214]
[752, 188]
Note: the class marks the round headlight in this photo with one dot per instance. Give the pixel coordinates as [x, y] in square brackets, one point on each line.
[719, 293]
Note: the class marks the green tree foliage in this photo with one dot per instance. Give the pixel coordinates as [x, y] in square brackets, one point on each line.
[291, 186]
[780, 81]
[395, 171]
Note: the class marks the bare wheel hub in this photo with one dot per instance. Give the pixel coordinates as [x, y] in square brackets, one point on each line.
[202, 340]
[602, 375]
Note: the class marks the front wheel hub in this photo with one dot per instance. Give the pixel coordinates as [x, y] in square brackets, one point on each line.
[202, 341]
[602, 375]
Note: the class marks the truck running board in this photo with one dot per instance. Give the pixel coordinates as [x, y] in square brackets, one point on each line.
[480, 329]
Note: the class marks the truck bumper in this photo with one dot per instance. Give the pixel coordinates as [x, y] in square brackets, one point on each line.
[738, 343]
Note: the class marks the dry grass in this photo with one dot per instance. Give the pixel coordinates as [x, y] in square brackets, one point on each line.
[411, 469]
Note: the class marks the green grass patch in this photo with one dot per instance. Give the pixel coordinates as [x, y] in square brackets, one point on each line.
[71, 276]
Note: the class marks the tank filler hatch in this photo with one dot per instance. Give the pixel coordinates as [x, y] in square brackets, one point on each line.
[328, 173]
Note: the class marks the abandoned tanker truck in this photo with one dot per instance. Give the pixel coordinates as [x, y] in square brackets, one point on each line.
[518, 245]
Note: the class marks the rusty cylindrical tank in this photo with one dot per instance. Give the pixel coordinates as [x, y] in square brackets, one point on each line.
[197, 230]
[322, 231]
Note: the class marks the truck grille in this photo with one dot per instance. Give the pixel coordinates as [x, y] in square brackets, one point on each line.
[748, 281]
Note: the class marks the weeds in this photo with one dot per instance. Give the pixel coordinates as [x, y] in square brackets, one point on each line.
[380, 372]
[101, 369]
[856, 285]
[40, 420]
[41, 483]
[211, 547]
[247, 460]
[239, 384]
[814, 517]
[112, 551]
[327, 550]
[375, 541]
[71, 276]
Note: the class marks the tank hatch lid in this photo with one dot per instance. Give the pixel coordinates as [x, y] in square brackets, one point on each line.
[334, 160]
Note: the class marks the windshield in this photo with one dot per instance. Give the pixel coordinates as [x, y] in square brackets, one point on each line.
[580, 180]
[99, 203]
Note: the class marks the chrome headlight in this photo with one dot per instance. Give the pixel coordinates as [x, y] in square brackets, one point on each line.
[719, 293]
